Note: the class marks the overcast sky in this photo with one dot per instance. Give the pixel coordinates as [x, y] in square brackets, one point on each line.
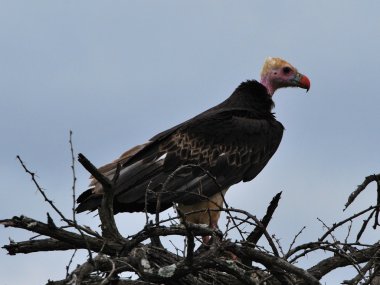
[118, 72]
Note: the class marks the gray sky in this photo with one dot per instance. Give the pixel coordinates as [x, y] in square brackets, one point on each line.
[118, 72]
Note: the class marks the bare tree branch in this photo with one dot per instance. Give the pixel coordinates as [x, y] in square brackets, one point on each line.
[220, 262]
[108, 224]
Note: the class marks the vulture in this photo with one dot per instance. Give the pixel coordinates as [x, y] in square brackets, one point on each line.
[194, 163]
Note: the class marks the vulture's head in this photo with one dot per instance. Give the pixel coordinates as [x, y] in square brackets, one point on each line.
[278, 73]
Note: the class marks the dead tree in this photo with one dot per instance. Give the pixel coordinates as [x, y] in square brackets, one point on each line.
[221, 261]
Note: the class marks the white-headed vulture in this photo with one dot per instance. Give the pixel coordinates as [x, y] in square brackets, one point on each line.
[194, 163]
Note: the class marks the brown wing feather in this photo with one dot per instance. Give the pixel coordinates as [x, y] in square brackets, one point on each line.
[109, 168]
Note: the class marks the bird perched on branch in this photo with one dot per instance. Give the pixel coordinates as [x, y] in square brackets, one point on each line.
[194, 163]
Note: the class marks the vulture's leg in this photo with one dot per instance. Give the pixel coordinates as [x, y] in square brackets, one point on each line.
[205, 212]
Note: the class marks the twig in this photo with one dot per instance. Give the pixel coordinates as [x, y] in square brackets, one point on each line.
[70, 262]
[177, 250]
[227, 207]
[360, 188]
[329, 230]
[74, 192]
[39, 188]
[190, 238]
[73, 173]
[256, 234]
[245, 221]
[348, 232]
[336, 225]
[295, 238]
[376, 222]
[146, 203]
[364, 226]
[277, 240]
[306, 247]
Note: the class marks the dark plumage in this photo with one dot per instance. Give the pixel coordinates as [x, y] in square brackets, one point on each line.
[233, 141]
[194, 162]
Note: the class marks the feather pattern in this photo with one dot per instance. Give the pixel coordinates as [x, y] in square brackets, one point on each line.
[197, 159]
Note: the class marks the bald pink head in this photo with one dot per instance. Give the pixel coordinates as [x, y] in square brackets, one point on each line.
[278, 73]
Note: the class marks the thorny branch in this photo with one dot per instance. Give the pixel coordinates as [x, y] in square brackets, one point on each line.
[221, 262]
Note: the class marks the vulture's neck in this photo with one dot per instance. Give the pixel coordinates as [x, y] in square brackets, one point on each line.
[266, 82]
[252, 95]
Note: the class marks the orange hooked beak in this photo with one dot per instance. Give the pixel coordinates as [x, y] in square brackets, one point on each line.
[302, 81]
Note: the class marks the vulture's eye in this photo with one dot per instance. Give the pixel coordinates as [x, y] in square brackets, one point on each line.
[286, 69]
